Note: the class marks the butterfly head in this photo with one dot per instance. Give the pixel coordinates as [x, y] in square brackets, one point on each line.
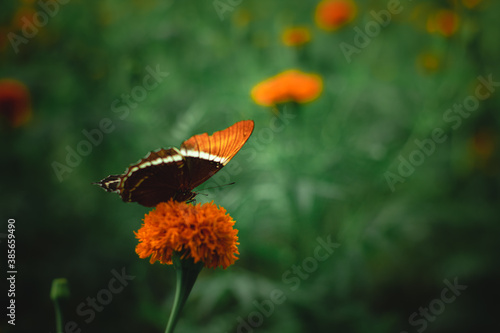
[110, 183]
[184, 195]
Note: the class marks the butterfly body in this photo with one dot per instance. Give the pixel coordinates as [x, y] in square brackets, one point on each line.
[173, 173]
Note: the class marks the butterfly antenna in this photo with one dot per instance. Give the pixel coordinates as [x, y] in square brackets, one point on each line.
[209, 188]
[224, 185]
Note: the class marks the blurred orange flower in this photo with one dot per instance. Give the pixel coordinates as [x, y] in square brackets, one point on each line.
[483, 143]
[296, 36]
[334, 14]
[444, 21]
[429, 62]
[202, 232]
[471, 3]
[15, 102]
[24, 15]
[242, 18]
[291, 85]
[482, 151]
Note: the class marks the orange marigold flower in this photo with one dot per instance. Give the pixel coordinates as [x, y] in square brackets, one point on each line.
[202, 232]
[15, 102]
[334, 14]
[444, 21]
[291, 85]
[296, 36]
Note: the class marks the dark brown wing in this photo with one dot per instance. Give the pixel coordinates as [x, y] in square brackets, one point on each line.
[205, 155]
[159, 176]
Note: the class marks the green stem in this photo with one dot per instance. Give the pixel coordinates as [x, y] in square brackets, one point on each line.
[59, 319]
[187, 272]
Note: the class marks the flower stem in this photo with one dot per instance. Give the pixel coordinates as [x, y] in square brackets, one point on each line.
[59, 319]
[187, 272]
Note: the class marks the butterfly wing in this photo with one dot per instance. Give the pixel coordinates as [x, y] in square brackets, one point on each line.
[205, 155]
[158, 177]
[172, 174]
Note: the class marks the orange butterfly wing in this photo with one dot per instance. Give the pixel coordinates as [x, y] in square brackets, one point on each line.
[217, 149]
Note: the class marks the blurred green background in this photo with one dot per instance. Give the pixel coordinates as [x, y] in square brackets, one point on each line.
[321, 169]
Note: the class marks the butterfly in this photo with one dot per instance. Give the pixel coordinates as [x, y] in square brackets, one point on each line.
[173, 173]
